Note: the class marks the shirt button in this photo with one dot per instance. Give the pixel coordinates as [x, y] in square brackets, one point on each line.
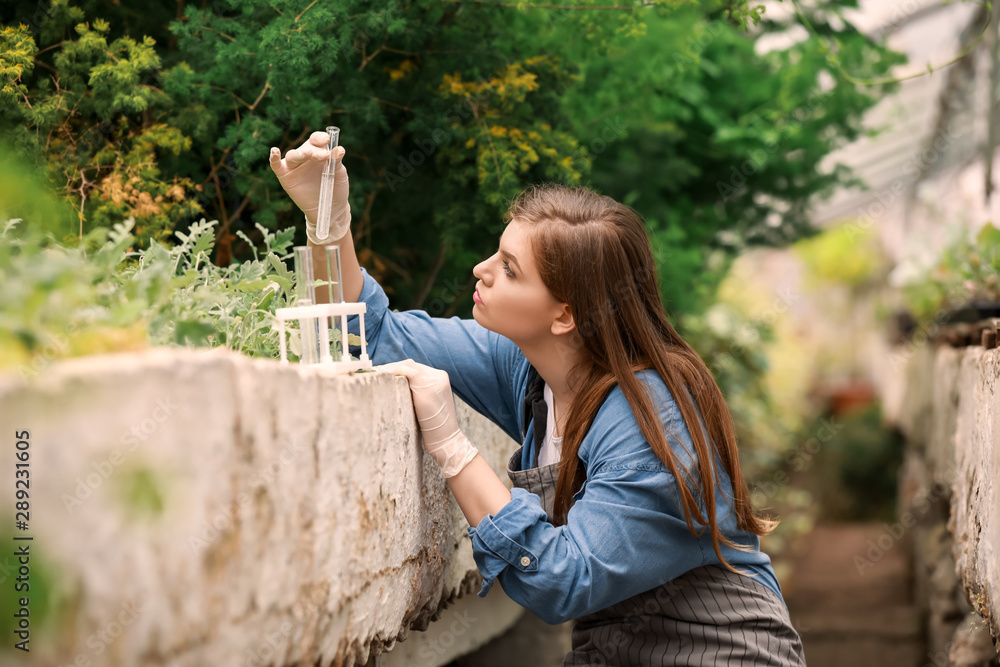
[525, 561]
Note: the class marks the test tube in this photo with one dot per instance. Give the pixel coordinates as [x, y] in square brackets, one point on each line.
[333, 269]
[305, 295]
[326, 186]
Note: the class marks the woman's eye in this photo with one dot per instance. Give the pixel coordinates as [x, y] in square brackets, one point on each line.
[506, 268]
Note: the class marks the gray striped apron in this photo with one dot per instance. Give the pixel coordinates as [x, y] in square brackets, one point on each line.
[707, 616]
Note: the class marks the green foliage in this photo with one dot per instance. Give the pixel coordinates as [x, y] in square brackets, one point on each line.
[95, 127]
[968, 269]
[732, 346]
[511, 143]
[50, 292]
[22, 194]
[17, 53]
[844, 255]
[447, 111]
[724, 149]
[105, 296]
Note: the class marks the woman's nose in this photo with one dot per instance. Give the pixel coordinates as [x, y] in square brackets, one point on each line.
[477, 270]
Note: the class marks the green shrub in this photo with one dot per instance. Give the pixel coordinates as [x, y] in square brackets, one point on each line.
[968, 269]
[104, 295]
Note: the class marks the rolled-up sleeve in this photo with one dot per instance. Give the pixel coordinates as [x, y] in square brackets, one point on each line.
[487, 370]
[377, 305]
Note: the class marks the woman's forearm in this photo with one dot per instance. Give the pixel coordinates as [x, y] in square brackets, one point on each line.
[349, 268]
[478, 490]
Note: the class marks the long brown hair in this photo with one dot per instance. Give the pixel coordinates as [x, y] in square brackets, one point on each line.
[593, 254]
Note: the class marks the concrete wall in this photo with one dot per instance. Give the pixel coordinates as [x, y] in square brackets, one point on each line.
[947, 402]
[204, 508]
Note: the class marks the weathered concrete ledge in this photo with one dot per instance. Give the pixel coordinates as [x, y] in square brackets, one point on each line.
[205, 508]
[950, 493]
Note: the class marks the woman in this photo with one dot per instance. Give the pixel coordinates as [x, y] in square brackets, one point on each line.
[620, 516]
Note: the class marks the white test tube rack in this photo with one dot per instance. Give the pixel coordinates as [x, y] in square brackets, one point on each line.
[321, 314]
[313, 316]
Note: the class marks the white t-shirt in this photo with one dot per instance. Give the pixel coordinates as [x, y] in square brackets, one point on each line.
[551, 446]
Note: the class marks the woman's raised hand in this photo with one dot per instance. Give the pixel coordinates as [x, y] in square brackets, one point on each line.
[300, 174]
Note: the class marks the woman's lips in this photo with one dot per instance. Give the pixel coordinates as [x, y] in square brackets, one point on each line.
[477, 298]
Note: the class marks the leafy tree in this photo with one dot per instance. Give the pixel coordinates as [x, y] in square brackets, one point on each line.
[91, 122]
[717, 144]
[447, 110]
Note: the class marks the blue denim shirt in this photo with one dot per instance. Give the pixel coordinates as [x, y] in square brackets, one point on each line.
[625, 533]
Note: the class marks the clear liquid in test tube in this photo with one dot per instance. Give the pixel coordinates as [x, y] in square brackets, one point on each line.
[305, 295]
[326, 186]
[335, 277]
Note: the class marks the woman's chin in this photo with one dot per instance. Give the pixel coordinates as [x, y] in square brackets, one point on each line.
[477, 316]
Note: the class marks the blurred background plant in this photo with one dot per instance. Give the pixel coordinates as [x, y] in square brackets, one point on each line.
[848, 255]
[855, 477]
[104, 295]
[968, 269]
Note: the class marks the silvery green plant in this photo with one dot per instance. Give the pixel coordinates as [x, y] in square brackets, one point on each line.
[103, 295]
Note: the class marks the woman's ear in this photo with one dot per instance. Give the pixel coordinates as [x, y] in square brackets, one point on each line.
[564, 322]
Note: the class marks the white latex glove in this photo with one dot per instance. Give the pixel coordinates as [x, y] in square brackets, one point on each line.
[300, 174]
[435, 407]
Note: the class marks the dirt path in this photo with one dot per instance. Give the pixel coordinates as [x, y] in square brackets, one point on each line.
[851, 619]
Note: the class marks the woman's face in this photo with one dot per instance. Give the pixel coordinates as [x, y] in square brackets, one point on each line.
[511, 298]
